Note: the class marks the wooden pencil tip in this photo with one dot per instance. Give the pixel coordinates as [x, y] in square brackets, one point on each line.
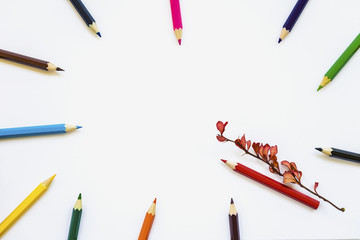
[232, 201]
[59, 69]
[279, 40]
[154, 201]
[79, 197]
[179, 42]
[319, 149]
[224, 161]
[98, 33]
[48, 181]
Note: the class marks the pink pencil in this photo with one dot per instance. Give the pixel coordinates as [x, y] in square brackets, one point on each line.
[176, 17]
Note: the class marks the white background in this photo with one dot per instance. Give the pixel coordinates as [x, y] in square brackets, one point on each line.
[149, 109]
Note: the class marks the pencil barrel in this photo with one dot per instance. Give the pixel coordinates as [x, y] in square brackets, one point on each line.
[32, 131]
[83, 12]
[74, 224]
[295, 14]
[176, 14]
[25, 60]
[234, 227]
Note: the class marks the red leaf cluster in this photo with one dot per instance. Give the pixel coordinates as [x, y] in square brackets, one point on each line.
[293, 175]
[221, 127]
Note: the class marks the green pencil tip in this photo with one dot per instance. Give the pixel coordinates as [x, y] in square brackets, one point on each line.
[79, 197]
[320, 87]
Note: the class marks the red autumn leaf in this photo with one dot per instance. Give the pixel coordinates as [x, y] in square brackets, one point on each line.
[256, 147]
[298, 175]
[266, 152]
[276, 164]
[286, 164]
[273, 151]
[288, 177]
[248, 143]
[293, 167]
[271, 169]
[238, 143]
[221, 126]
[243, 141]
[261, 151]
[221, 138]
[316, 186]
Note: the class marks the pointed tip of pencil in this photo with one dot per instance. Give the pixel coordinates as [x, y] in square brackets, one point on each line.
[78, 127]
[48, 181]
[98, 33]
[224, 161]
[154, 201]
[79, 197]
[59, 69]
[232, 201]
[320, 87]
[279, 40]
[179, 41]
[319, 149]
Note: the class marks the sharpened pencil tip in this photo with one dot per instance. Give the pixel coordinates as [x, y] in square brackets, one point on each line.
[78, 127]
[320, 87]
[59, 69]
[279, 40]
[232, 201]
[79, 197]
[98, 33]
[179, 42]
[319, 149]
[223, 160]
[154, 201]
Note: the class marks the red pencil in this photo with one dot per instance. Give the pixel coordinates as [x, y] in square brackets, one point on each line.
[271, 183]
[176, 17]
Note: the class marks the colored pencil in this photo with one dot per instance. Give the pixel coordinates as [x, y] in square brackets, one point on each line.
[234, 222]
[293, 17]
[29, 61]
[37, 130]
[271, 183]
[75, 219]
[176, 18]
[342, 154]
[340, 63]
[148, 221]
[25, 205]
[85, 15]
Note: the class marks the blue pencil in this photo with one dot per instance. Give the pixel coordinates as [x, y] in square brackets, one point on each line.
[37, 130]
[293, 17]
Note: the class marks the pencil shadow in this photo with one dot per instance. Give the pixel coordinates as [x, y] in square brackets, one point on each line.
[49, 136]
[38, 70]
[338, 160]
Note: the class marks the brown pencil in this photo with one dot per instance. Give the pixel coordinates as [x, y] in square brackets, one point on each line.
[234, 222]
[29, 61]
[148, 221]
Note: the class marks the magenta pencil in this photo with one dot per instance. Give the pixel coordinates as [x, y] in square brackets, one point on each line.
[176, 17]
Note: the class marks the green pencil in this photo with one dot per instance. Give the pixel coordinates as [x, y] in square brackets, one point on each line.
[75, 219]
[340, 63]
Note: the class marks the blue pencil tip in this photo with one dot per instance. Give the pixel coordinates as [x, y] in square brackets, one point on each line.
[98, 33]
[77, 127]
[279, 40]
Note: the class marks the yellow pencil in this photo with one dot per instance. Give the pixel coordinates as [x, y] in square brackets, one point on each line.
[25, 205]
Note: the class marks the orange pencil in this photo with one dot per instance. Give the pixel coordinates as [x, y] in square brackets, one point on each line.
[148, 221]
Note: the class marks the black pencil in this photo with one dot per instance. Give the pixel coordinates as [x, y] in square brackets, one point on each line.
[86, 16]
[338, 153]
[234, 222]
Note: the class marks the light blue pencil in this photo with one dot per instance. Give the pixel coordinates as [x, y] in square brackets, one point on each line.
[37, 130]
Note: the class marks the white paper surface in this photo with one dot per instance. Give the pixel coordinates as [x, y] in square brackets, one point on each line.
[148, 108]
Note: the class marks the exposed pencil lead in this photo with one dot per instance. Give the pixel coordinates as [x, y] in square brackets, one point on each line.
[232, 201]
[319, 149]
[98, 33]
[179, 42]
[154, 201]
[59, 69]
[279, 40]
[78, 127]
[79, 197]
[320, 87]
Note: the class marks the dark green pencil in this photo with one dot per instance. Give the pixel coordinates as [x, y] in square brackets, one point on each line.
[75, 219]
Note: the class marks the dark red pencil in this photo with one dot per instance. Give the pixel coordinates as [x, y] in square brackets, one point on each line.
[234, 222]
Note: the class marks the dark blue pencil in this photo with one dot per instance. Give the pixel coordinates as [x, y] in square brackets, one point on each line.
[293, 17]
[37, 130]
[85, 15]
